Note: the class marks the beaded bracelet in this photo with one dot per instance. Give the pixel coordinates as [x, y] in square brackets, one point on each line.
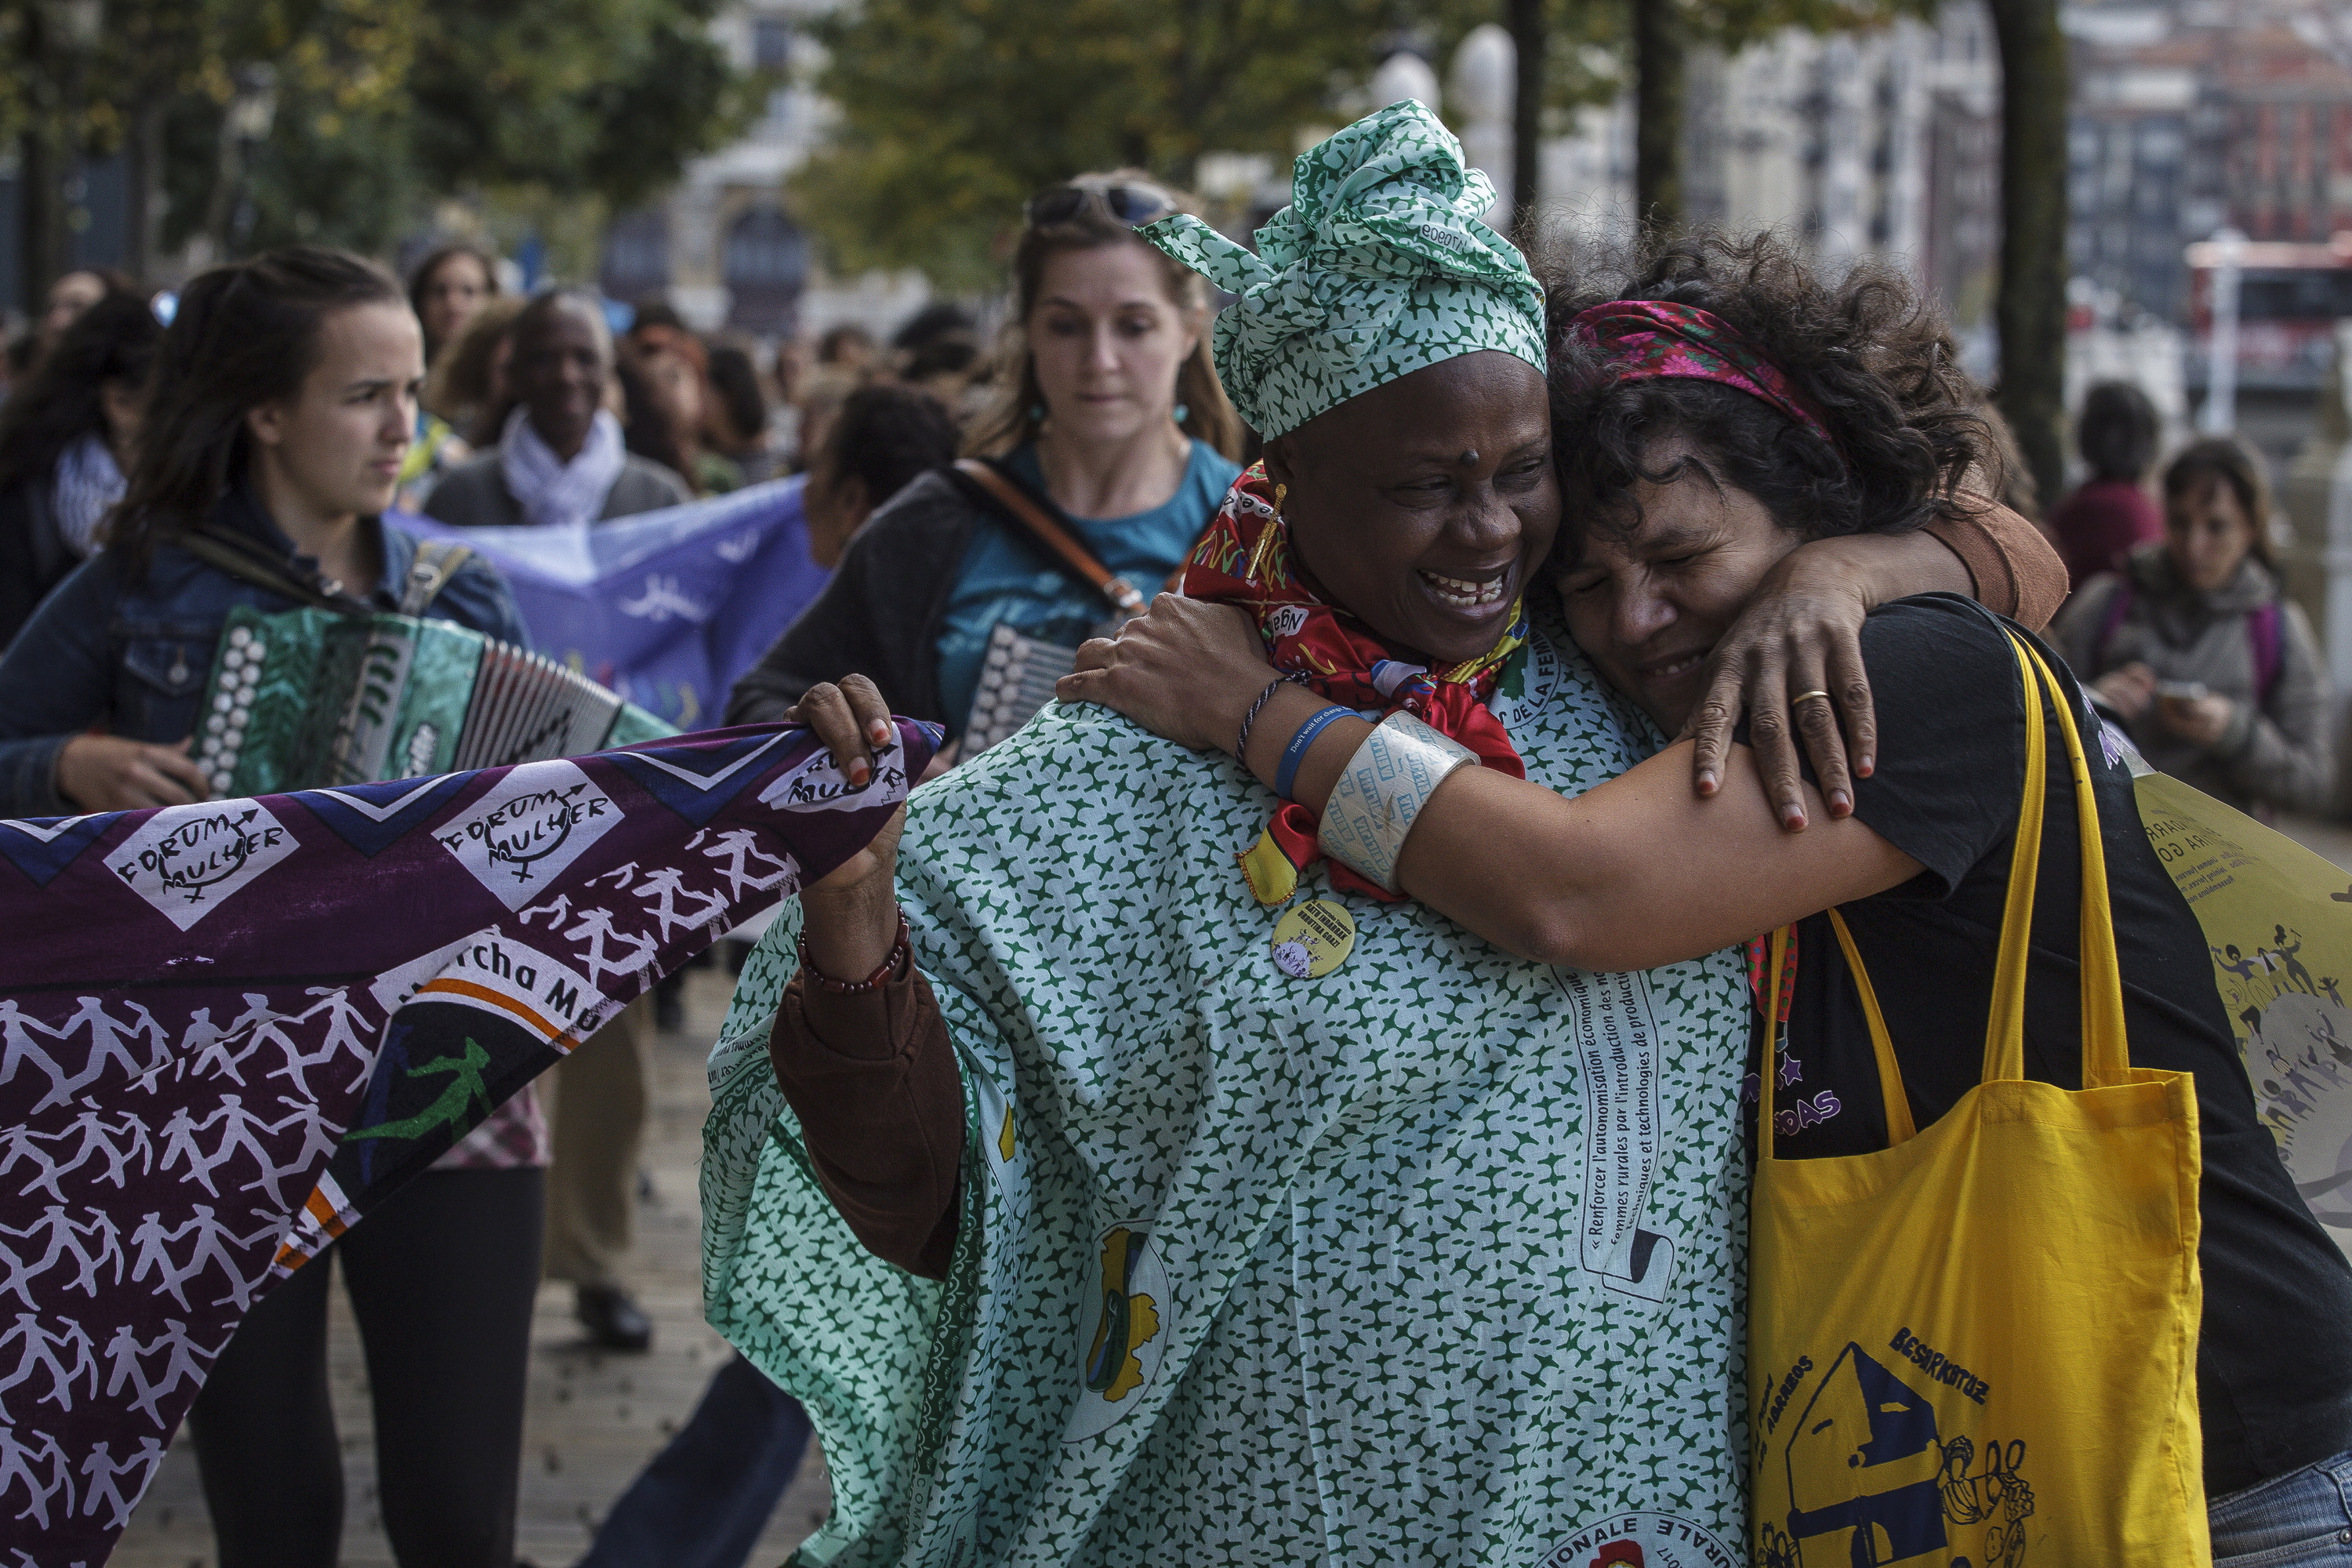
[874, 982]
[1286, 774]
[1249, 719]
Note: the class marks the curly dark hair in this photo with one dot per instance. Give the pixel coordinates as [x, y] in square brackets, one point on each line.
[1876, 360]
[884, 435]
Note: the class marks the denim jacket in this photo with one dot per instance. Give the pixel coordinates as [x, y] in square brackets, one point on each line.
[131, 659]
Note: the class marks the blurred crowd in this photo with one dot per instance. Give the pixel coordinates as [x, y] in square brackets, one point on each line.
[1096, 407]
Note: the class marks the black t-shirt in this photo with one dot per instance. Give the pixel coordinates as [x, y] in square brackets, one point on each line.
[2274, 1364]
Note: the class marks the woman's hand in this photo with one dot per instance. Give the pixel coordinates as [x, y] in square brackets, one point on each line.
[2199, 721]
[1800, 633]
[1184, 669]
[2128, 690]
[853, 722]
[109, 772]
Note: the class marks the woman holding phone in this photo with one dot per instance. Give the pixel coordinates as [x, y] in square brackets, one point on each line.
[2197, 647]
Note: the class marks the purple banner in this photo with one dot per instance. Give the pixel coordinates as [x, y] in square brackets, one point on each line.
[228, 1030]
[666, 607]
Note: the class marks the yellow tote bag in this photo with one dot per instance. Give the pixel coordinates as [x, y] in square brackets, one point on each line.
[1978, 1345]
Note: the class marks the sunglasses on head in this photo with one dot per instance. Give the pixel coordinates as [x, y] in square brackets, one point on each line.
[1132, 205]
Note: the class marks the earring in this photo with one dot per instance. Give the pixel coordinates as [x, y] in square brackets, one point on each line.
[1181, 411]
[1279, 491]
[1037, 413]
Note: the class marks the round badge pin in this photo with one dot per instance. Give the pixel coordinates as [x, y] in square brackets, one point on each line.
[1314, 939]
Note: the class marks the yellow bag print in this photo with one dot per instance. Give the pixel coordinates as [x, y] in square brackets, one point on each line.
[1977, 1348]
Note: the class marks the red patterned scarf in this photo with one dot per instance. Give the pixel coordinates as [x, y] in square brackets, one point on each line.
[1244, 559]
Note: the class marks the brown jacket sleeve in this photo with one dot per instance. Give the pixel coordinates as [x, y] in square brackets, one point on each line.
[875, 1084]
[2016, 573]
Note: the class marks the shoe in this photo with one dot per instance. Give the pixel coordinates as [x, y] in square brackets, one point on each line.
[612, 1320]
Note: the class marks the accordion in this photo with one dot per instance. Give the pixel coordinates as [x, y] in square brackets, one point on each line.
[315, 699]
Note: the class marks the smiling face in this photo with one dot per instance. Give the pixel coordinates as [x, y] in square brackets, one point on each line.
[562, 357]
[334, 447]
[1647, 606]
[1106, 339]
[1422, 505]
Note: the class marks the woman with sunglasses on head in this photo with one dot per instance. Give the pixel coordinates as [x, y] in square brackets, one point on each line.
[1106, 408]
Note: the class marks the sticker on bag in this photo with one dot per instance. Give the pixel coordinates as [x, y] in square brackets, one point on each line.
[1870, 1475]
[1640, 1538]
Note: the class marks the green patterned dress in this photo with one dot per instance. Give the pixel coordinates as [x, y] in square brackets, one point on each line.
[1436, 1259]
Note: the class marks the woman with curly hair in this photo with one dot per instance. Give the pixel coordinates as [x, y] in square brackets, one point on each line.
[1716, 407]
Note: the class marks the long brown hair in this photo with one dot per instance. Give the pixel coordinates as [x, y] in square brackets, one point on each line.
[244, 335]
[1010, 418]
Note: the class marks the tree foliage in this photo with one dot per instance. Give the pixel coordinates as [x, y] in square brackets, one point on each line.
[385, 106]
[954, 112]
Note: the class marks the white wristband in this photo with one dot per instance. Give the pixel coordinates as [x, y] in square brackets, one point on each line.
[1380, 793]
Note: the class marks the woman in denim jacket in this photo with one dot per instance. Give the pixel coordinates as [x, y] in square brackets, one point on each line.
[284, 400]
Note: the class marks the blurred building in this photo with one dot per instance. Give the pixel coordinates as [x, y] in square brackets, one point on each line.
[724, 246]
[2196, 116]
[1885, 143]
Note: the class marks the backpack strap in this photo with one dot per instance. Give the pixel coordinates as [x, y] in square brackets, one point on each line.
[436, 564]
[2267, 636]
[232, 553]
[2111, 619]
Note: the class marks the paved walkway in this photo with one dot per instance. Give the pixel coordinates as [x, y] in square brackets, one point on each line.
[595, 1418]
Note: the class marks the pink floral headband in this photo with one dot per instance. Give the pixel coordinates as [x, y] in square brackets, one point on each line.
[1651, 339]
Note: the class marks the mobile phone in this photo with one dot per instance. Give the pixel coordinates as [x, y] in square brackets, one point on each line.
[2181, 691]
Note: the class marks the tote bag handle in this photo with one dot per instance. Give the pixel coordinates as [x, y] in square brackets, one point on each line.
[2105, 1057]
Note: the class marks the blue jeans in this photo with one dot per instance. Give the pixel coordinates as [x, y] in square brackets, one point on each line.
[2294, 1520]
[704, 1498]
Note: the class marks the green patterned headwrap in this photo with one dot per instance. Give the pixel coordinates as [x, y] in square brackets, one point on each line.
[1380, 265]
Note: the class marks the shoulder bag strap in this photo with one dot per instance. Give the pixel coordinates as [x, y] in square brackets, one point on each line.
[436, 564]
[1012, 500]
[2106, 1056]
[2268, 637]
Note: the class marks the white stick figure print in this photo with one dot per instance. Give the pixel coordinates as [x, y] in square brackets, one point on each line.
[110, 1042]
[17, 1463]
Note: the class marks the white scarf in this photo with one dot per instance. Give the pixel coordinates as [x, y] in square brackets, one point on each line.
[552, 490]
[86, 483]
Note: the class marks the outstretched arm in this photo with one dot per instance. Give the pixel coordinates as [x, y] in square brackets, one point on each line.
[1633, 874]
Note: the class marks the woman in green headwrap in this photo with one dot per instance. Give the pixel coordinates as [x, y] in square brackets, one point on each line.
[1244, 1213]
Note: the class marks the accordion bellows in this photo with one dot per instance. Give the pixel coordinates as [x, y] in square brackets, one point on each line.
[313, 699]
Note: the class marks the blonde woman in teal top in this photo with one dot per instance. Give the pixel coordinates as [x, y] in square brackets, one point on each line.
[1108, 406]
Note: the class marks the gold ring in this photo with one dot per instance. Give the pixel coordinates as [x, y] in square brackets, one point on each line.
[1808, 697]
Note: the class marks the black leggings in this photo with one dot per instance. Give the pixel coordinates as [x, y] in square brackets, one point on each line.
[442, 1281]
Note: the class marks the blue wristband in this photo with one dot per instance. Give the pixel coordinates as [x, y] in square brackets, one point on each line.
[1286, 772]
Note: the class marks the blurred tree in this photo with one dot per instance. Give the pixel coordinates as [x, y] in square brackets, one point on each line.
[381, 106]
[2030, 309]
[1045, 88]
